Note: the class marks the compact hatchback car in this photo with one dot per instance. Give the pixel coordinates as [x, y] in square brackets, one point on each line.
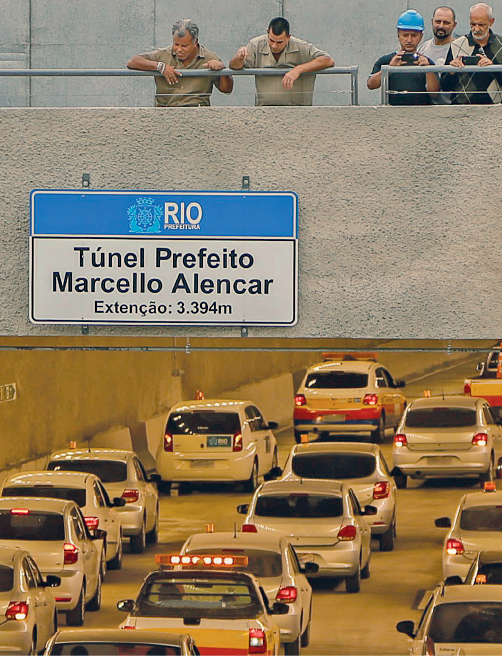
[28, 614]
[218, 440]
[348, 393]
[123, 475]
[323, 521]
[363, 467]
[446, 436]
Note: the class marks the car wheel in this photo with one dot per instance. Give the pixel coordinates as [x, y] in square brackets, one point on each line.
[138, 542]
[152, 537]
[103, 568]
[387, 538]
[33, 646]
[275, 460]
[252, 482]
[292, 648]
[55, 623]
[116, 561]
[353, 583]
[401, 481]
[75, 617]
[378, 435]
[298, 437]
[365, 572]
[489, 475]
[305, 638]
[95, 602]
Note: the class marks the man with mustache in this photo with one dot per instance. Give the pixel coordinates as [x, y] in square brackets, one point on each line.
[443, 23]
[475, 88]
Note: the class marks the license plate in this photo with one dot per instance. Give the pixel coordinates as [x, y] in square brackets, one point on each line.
[214, 440]
[334, 419]
[201, 464]
[440, 460]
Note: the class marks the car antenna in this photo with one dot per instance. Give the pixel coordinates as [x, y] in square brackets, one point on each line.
[89, 444]
[235, 530]
[442, 392]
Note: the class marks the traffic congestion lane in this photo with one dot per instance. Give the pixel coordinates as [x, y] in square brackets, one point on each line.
[362, 623]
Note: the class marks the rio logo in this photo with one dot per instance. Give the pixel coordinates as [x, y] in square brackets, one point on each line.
[181, 215]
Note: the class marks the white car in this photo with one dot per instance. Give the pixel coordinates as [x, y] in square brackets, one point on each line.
[56, 536]
[458, 619]
[323, 521]
[363, 467]
[446, 436]
[123, 475]
[219, 440]
[274, 562]
[88, 493]
[28, 615]
[477, 526]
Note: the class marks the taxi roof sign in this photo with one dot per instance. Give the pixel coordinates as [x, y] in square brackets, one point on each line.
[200, 560]
[327, 357]
[490, 486]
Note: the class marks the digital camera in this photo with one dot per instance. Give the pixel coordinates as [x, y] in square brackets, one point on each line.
[410, 58]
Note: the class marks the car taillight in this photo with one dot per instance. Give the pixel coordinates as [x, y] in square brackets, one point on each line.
[467, 389]
[400, 439]
[480, 439]
[70, 553]
[128, 627]
[370, 399]
[300, 399]
[17, 610]
[287, 595]
[381, 490]
[347, 533]
[454, 547]
[92, 523]
[257, 641]
[131, 496]
[237, 441]
[429, 647]
[168, 442]
[249, 528]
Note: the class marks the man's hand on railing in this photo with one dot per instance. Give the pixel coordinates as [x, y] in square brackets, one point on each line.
[214, 65]
[171, 74]
[289, 79]
[237, 61]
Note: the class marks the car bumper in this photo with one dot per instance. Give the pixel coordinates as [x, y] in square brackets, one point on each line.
[131, 519]
[364, 420]
[69, 590]
[451, 463]
[290, 624]
[456, 566]
[381, 522]
[207, 468]
[15, 637]
[332, 562]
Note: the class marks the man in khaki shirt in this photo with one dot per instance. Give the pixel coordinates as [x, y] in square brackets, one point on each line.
[278, 49]
[174, 90]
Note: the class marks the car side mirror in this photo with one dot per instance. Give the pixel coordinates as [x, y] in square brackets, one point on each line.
[443, 522]
[310, 568]
[52, 581]
[400, 383]
[272, 425]
[279, 609]
[98, 534]
[369, 510]
[125, 605]
[479, 366]
[243, 508]
[453, 580]
[275, 472]
[154, 478]
[407, 627]
[118, 502]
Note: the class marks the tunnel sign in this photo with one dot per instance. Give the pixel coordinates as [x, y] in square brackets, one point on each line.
[163, 257]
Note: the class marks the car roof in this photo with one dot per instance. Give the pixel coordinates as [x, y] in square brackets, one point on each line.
[98, 635]
[446, 402]
[92, 454]
[335, 447]
[42, 504]
[302, 485]
[71, 479]
[337, 365]
[466, 593]
[483, 499]
[222, 405]
[239, 540]
[487, 557]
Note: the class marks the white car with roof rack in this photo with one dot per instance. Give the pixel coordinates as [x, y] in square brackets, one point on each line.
[55, 534]
[272, 559]
[216, 440]
[362, 466]
[123, 475]
[323, 521]
[28, 615]
[88, 493]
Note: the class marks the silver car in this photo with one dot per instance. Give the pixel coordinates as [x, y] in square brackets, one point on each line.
[360, 465]
[323, 521]
[446, 436]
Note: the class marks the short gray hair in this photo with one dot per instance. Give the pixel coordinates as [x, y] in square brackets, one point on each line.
[483, 5]
[182, 27]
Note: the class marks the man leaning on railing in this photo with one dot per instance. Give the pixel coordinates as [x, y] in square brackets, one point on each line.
[174, 90]
[485, 49]
[278, 49]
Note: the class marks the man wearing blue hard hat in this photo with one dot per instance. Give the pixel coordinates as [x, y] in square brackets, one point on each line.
[407, 88]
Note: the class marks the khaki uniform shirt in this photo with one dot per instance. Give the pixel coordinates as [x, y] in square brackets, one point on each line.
[269, 89]
[188, 91]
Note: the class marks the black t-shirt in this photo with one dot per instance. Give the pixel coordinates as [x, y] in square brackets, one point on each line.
[405, 82]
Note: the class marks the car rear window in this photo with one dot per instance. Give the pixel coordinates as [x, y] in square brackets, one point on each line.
[211, 598]
[299, 505]
[33, 526]
[261, 563]
[50, 491]
[467, 622]
[493, 573]
[6, 578]
[206, 422]
[109, 471]
[482, 518]
[441, 418]
[334, 466]
[336, 380]
[97, 648]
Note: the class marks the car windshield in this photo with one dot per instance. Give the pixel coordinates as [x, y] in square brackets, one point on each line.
[299, 505]
[467, 622]
[261, 563]
[21, 524]
[207, 422]
[109, 471]
[53, 492]
[336, 380]
[6, 578]
[334, 466]
[210, 598]
[441, 417]
[482, 518]
[137, 648]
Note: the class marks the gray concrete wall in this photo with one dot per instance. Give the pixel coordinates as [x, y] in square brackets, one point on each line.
[399, 207]
[104, 34]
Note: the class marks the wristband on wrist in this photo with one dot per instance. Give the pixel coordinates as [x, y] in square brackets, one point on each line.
[161, 67]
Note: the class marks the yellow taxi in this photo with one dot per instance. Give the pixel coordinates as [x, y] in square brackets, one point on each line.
[348, 393]
[224, 610]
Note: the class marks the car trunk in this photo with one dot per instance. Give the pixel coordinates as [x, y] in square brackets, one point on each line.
[440, 439]
[203, 444]
[303, 531]
[48, 555]
[340, 399]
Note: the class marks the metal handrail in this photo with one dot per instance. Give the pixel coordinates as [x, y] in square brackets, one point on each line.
[118, 72]
[384, 86]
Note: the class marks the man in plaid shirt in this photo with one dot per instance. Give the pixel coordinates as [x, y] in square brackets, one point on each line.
[482, 43]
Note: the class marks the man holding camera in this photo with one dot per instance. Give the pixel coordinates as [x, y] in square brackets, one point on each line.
[408, 88]
[481, 47]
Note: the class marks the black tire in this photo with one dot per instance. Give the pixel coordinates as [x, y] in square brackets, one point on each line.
[55, 623]
[95, 602]
[292, 648]
[401, 481]
[378, 435]
[164, 487]
[353, 583]
[33, 646]
[116, 561]
[387, 538]
[305, 637]
[152, 537]
[137, 543]
[252, 483]
[103, 568]
[298, 437]
[489, 475]
[275, 460]
[75, 617]
[365, 572]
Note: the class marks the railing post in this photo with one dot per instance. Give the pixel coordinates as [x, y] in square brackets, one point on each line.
[384, 86]
[354, 85]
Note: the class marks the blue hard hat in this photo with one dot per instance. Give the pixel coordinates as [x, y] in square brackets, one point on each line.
[411, 20]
